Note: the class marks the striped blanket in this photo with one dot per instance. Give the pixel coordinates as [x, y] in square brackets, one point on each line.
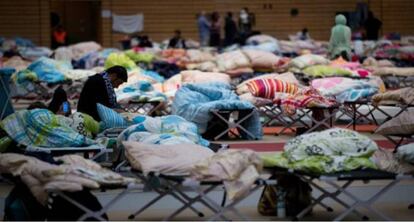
[305, 98]
[267, 88]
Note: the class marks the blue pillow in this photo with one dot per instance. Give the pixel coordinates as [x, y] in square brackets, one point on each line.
[110, 118]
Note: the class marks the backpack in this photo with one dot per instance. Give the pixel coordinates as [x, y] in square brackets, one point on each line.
[21, 205]
[298, 196]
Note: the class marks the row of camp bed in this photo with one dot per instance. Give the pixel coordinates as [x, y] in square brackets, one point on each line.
[180, 187]
[396, 82]
[274, 113]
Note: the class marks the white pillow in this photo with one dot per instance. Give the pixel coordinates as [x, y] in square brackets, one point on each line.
[165, 159]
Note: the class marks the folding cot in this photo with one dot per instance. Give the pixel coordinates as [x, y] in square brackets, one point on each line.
[224, 122]
[5, 104]
[353, 110]
[339, 182]
[399, 139]
[97, 151]
[302, 118]
[144, 108]
[90, 214]
[177, 186]
[402, 107]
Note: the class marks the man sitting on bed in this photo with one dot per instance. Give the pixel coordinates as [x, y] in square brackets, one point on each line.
[100, 89]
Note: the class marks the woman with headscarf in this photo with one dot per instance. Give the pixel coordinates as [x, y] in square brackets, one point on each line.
[340, 41]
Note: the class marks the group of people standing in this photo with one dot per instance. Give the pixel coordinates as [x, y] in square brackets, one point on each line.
[210, 26]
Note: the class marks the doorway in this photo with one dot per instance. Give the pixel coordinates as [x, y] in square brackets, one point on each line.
[80, 19]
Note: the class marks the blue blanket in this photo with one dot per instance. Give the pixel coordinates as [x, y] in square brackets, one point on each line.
[162, 130]
[44, 70]
[40, 127]
[194, 102]
[141, 91]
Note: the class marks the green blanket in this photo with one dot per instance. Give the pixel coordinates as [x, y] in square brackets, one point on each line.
[328, 151]
[40, 127]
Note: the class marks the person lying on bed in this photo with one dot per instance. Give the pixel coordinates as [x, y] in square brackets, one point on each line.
[100, 89]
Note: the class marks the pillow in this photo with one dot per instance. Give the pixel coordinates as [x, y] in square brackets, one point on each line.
[402, 124]
[406, 153]
[286, 77]
[165, 159]
[266, 88]
[262, 59]
[110, 118]
[304, 61]
[232, 60]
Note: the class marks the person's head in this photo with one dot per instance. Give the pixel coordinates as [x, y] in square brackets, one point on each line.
[37, 105]
[370, 14]
[59, 28]
[340, 19]
[117, 75]
[215, 16]
[229, 14]
[305, 31]
[177, 33]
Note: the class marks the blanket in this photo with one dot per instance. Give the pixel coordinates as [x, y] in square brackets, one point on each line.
[162, 130]
[387, 160]
[304, 98]
[40, 127]
[324, 71]
[141, 91]
[33, 53]
[75, 174]
[239, 169]
[44, 70]
[145, 57]
[195, 101]
[16, 62]
[329, 151]
[79, 50]
[405, 96]
[397, 71]
[204, 77]
[345, 89]
[119, 59]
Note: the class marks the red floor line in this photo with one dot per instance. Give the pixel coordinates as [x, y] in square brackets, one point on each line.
[274, 147]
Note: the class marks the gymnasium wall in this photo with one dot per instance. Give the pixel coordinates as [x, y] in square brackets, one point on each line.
[25, 18]
[273, 17]
[30, 18]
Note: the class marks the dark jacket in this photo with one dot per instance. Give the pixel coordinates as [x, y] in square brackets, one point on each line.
[230, 29]
[93, 92]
